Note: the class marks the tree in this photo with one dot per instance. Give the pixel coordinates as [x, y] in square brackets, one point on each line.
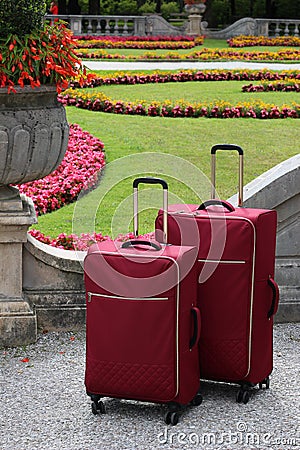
[73, 7]
[62, 7]
[232, 8]
[270, 6]
[94, 7]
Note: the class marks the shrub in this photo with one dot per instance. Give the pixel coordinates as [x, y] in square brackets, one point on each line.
[127, 7]
[169, 8]
[21, 17]
[147, 8]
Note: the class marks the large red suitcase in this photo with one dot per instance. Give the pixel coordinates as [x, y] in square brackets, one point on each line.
[142, 324]
[237, 294]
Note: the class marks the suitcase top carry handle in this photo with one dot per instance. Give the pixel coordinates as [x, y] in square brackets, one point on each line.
[133, 243]
[217, 202]
[150, 180]
[229, 147]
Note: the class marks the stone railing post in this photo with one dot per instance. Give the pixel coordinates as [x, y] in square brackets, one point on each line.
[76, 25]
[140, 26]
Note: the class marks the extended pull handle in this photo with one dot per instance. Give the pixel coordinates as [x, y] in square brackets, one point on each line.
[229, 147]
[197, 327]
[275, 298]
[150, 180]
[134, 242]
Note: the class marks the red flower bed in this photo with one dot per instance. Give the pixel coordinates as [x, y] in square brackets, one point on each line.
[278, 86]
[144, 45]
[219, 109]
[204, 54]
[93, 80]
[252, 41]
[80, 169]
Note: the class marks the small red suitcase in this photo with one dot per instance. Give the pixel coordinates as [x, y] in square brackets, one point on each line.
[142, 324]
[237, 294]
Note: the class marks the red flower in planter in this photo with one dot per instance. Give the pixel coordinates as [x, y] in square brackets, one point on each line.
[47, 55]
[193, 2]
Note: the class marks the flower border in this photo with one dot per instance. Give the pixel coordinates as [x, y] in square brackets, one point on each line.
[205, 54]
[80, 170]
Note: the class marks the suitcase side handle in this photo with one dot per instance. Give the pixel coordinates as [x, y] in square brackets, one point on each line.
[197, 327]
[229, 147]
[275, 299]
[150, 180]
[217, 202]
[134, 242]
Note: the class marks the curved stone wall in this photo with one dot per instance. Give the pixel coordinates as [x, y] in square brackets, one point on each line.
[246, 26]
[53, 285]
[279, 188]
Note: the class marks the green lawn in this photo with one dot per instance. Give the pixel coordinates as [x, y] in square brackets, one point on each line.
[208, 44]
[109, 208]
[175, 149]
[208, 91]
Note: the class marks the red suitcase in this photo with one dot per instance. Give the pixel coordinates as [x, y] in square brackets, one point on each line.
[237, 294]
[142, 324]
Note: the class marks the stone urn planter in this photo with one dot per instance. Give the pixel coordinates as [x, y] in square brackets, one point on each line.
[33, 138]
[195, 8]
[33, 141]
[195, 11]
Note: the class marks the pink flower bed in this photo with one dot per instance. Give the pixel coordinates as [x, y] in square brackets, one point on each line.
[80, 169]
[82, 242]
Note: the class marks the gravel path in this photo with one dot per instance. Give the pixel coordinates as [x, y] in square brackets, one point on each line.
[43, 405]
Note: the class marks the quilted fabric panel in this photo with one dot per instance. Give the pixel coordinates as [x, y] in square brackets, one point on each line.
[224, 359]
[135, 381]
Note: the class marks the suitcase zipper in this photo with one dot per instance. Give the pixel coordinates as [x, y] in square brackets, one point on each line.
[222, 261]
[91, 294]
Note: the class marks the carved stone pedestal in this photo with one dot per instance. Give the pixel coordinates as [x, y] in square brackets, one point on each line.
[194, 25]
[17, 319]
[33, 140]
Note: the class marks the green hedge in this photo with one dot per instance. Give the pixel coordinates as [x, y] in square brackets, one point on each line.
[21, 17]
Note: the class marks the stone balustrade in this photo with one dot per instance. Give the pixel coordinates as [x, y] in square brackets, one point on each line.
[104, 25]
[277, 27]
[154, 24]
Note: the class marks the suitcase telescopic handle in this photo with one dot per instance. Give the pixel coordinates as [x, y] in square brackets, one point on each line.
[150, 180]
[229, 147]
